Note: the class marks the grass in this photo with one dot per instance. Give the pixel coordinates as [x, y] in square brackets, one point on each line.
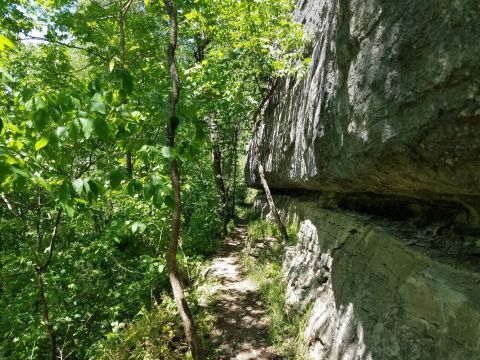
[285, 327]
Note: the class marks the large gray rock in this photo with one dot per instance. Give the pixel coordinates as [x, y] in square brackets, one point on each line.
[370, 294]
[390, 104]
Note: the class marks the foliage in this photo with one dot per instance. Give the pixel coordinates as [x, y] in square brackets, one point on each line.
[156, 334]
[79, 104]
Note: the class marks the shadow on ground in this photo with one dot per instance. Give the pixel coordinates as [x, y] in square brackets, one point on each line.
[241, 330]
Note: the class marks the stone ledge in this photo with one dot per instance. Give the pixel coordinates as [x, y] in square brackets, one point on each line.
[371, 296]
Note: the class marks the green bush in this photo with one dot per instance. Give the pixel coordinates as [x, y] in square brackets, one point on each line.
[155, 334]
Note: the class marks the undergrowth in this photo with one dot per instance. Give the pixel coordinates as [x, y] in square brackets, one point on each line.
[158, 333]
[154, 334]
[265, 268]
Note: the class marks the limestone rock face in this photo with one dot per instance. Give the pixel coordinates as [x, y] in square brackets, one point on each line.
[371, 295]
[390, 103]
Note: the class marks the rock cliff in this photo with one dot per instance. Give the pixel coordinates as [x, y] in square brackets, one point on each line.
[390, 104]
[386, 127]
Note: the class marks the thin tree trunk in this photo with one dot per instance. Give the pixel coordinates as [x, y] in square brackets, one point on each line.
[46, 318]
[217, 170]
[123, 8]
[235, 144]
[177, 286]
[199, 55]
[129, 161]
[121, 25]
[39, 268]
[268, 194]
[261, 170]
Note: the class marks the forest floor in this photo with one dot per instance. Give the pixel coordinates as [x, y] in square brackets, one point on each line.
[241, 329]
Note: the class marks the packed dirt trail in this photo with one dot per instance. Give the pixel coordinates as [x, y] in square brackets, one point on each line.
[241, 330]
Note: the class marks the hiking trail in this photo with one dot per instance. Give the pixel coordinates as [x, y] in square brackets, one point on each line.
[241, 329]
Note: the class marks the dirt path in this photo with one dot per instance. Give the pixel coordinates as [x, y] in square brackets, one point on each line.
[241, 331]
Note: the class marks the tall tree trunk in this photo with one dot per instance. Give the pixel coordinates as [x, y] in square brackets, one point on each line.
[235, 145]
[177, 286]
[261, 170]
[217, 170]
[123, 8]
[39, 269]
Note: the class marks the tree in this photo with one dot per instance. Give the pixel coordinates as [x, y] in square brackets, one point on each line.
[258, 159]
[89, 97]
[177, 287]
[230, 75]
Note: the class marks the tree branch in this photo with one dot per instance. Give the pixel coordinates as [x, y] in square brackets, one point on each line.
[52, 240]
[71, 46]
[126, 6]
[9, 206]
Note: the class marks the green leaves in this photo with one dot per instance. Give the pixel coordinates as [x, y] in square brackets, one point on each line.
[101, 128]
[65, 198]
[69, 191]
[78, 186]
[159, 192]
[61, 132]
[192, 15]
[116, 178]
[98, 104]
[5, 42]
[93, 189]
[41, 143]
[111, 64]
[154, 185]
[87, 127]
[20, 172]
[169, 201]
[40, 119]
[166, 152]
[138, 226]
[134, 187]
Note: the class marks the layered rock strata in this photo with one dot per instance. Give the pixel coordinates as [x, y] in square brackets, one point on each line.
[371, 293]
